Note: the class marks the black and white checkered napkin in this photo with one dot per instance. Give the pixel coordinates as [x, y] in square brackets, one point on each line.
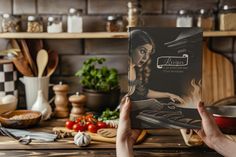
[8, 77]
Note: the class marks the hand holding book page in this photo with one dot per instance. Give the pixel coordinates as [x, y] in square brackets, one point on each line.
[159, 91]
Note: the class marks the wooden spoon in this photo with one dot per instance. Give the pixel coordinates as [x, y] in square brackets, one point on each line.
[52, 63]
[42, 61]
[26, 53]
[22, 66]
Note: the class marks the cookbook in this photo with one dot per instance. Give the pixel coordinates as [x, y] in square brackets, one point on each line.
[165, 74]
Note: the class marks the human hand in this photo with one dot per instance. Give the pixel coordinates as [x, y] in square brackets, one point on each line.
[125, 136]
[209, 132]
[175, 98]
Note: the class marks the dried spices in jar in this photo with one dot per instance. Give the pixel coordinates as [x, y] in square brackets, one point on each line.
[35, 24]
[227, 18]
[184, 19]
[54, 24]
[205, 20]
[10, 23]
[114, 24]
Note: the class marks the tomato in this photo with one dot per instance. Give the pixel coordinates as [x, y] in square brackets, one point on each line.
[69, 124]
[101, 125]
[79, 127]
[92, 128]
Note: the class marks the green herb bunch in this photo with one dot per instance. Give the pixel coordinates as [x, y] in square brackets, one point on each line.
[100, 79]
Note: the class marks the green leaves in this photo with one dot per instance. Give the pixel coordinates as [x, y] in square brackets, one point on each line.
[101, 79]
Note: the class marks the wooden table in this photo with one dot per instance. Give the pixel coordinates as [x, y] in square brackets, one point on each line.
[161, 143]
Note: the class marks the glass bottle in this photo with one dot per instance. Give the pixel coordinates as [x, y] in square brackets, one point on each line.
[75, 21]
[54, 24]
[34, 24]
[205, 20]
[10, 23]
[184, 19]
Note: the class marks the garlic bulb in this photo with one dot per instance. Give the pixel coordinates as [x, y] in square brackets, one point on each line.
[82, 139]
[42, 105]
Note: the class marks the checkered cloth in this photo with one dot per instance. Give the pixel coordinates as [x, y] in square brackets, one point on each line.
[8, 77]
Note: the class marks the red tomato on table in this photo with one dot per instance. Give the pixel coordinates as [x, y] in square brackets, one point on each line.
[92, 128]
[69, 124]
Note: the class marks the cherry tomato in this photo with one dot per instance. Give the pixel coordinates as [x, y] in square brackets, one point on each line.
[101, 125]
[69, 124]
[79, 127]
[92, 128]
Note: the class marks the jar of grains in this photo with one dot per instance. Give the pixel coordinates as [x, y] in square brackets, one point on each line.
[184, 19]
[227, 16]
[35, 24]
[10, 23]
[75, 21]
[54, 24]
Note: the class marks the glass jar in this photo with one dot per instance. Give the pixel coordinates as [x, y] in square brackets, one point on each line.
[54, 24]
[34, 24]
[10, 23]
[114, 24]
[75, 21]
[134, 15]
[227, 18]
[184, 19]
[205, 20]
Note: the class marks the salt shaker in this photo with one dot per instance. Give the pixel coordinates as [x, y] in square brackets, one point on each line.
[61, 100]
[78, 102]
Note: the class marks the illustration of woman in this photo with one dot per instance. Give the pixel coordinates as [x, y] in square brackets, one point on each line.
[142, 49]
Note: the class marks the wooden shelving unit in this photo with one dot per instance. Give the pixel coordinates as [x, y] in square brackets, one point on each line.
[94, 35]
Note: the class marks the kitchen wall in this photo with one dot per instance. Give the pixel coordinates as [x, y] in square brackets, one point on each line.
[160, 13]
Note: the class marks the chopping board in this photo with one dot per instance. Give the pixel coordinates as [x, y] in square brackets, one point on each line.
[217, 83]
[97, 137]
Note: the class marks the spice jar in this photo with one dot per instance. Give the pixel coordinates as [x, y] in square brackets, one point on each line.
[10, 23]
[75, 21]
[205, 20]
[114, 24]
[35, 24]
[184, 19]
[134, 15]
[54, 24]
[227, 18]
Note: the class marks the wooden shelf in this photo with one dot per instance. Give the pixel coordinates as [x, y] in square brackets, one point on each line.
[95, 35]
[89, 35]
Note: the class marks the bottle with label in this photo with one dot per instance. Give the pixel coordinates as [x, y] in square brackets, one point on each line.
[184, 19]
[54, 24]
[75, 21]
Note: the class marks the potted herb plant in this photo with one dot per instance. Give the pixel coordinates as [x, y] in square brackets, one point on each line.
[100, 84]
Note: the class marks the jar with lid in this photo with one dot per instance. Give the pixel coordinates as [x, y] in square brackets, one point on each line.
[114, 24]
[205, 20]
[75, 21]
[10, 23]
[54, 24]
[184, 19]
[227, 16]
[34, 24]
[134, 15]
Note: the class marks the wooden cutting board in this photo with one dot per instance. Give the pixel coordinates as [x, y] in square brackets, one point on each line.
[97, 137]
[217, 83]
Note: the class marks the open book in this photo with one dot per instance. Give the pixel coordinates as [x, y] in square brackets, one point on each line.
[165, 72]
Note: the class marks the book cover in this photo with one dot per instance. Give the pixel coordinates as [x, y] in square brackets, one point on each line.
[165, 72]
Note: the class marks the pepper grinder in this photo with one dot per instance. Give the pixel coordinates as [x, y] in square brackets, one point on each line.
[61, 100]
[78, 102]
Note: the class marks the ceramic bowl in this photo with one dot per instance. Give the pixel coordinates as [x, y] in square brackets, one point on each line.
[20, 119]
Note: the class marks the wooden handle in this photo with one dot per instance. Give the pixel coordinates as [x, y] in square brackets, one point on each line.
[22, 66]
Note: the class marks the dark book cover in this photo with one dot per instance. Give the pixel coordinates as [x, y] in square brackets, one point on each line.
[165, 72]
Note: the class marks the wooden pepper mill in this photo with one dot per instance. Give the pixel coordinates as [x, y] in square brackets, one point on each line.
[78, 102]
[61, 100]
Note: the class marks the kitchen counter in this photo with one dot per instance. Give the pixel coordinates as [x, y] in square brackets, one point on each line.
[161, 143]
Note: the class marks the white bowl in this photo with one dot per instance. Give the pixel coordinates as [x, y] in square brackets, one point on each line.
[8, 107]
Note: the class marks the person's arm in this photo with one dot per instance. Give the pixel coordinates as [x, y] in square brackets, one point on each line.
[157, 94]
[212, 136]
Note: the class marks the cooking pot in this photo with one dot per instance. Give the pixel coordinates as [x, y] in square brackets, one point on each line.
[224, 112]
